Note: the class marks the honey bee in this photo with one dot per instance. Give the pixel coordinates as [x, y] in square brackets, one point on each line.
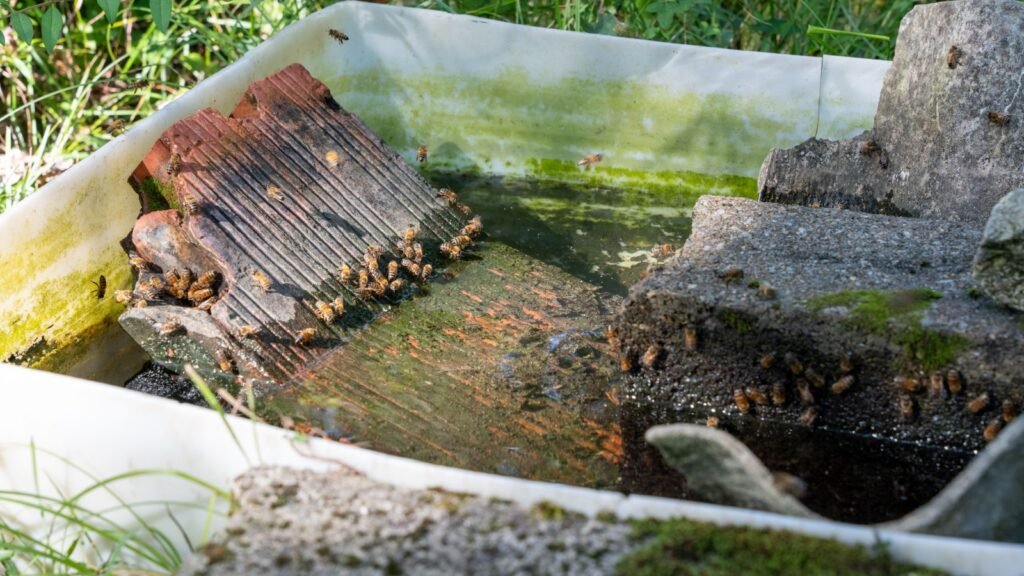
[906, 404]
[138, 262]
[845, 363]
[992, 430]
[711, 422]
[473, 228]
[731, 274]
[417, 252]
[175, 165]
[139, 303]
[261, 280]
[410, 235]
[374, 269]
[626, 362]
[1009, 411]
[998, 118]
[427, 271]
[650, 356]
[274, 193]
[793, 364]
[690, 338]
[589, 160]
[466, 210]
[364, 278]
[324, 312]
[101, 287]
[789, 484]
[778, 393]
[170, 327]
[380, 286]
[766, 291]
[412, 267]
[338, 305]
[451, 251]
[196, 294]
[207, 279]
[814, 378]
[396, 285]
[224, 360]
[338, 35]
[804, 388]
[808, 416]
[662, 251]
[123, 296]
[152, 289]
[189, 203]
[331, 156]
[345, 273]
[741, 401]
[462, 241]
[392, 269]
[907, 384]
[207, 304]
[767, 360]
[979, 403]
[247, 331]
[937, 386]
[449, 196]
[305, 336]
[953, 56]
[756, 396]
[953, 381]
[421, 154]
[869, 147]
[842, 385]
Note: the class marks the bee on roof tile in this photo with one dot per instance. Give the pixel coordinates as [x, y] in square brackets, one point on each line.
[345, 273]
[731, 274]
[392, 269]
[261, 280]
[410, 235]
[953, 381]
[305, 336]
[247, 331]
[451, 251]
[274, 193]
[332, 158]
[324, 312]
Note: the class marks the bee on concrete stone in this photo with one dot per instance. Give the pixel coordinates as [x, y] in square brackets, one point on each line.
[324, 312]
[937, 385]
[412, 267]
[451, 251]
[247, 331]
[152, 289]
[731, 274]
[396, 285]
[804, 388]
[741, 401]
[906, 405]
[449, 196]
[690, 338]
[813, 377]
[305, 336]
[979, 403]
[589, 160]
[953, 381]
[392, 269]
[331, 157]
[779, 393]
[650, 356]
[993, 428]
[189, 203]
[138, 262]
[274, 193]
[427, 271]
[417, 252]
[842, 385]
[170, 327]
[123, 296]
[756, 396]
[101, 287]
[410, 235]
[207, 279]
[711, 422]
[998, 118]
[793, 364]
[808, 416]
[421, 154]
[338, 35]
[1009, 411]
[767, 360]
[345, 273]
[338, 305]
[953, 56]
[908, 384]
[363, 278]
[845, 363]
[766, 291]
[196, 295]
[224, 360]
[261, 280]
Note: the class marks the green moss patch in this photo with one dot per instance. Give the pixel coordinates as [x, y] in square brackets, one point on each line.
[684, 547]
[157, 196]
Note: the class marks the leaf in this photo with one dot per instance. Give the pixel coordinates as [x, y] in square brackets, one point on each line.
[23, 26]
[50, 27]
[161, 10]
[110, 8]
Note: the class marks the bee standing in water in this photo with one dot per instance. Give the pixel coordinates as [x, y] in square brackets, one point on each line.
[261, 280]
[589, 160]
[979, 403]
[756, 396]
[845, 363]
[793, 364]
[814, 378]
[804, 388]
[953, 381]
[101, 287]
[937, 385]
[305, 336]
[906, 405]
[711, 422]
[421, 154]
[338, 35]
[993, 428]
[417, 252]
[778, 393]
[842, 385]
[396, 286]
[740, 398]
[690, 338]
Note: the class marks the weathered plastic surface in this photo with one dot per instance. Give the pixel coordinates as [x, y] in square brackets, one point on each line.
[481, 94]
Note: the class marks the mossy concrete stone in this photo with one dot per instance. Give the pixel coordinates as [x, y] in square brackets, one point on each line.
[936, 151]
[999, 262]
[825, 266]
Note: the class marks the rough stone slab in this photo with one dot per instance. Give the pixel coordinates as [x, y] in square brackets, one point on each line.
[999, 263]
[804, 254]
[936, 151]
[299, 522]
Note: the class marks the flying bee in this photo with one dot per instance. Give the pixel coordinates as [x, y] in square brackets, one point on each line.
[908, 384]
[189, 203]
[690, 338]
[331, 157]
[305, 336]
[767, 360]
[427, 271]
[979, 403]
[731, 274]
[421, 154]
[650, 356]
[766, 292]
[417, 252]
[998, 118]
[261, 280]
[338, 305]
[123, 296]
[449, 196]
[779, 393]
[953, 56]
[451, 251]
[412, 267]
[845, 363]
[992, 430]
[842, 385]
[808, 416]
[224, 360]
[338, 35]
[741, 401]
[906, 404]
[324, 312]
[247, 331]
[392, 269]
[207, 279]
[1009, 411]
[711, 422]
[793, 364]
[396, 285]
[813, 377]
[274, 193]
[170, 327]
[953, 381]
[756, 396]
[589, 160]
[937, 385]
[197, 295]
[207, 304]
[804, 388]
[364, 278]
[138, 262]
[101, 287]
[410, 235]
